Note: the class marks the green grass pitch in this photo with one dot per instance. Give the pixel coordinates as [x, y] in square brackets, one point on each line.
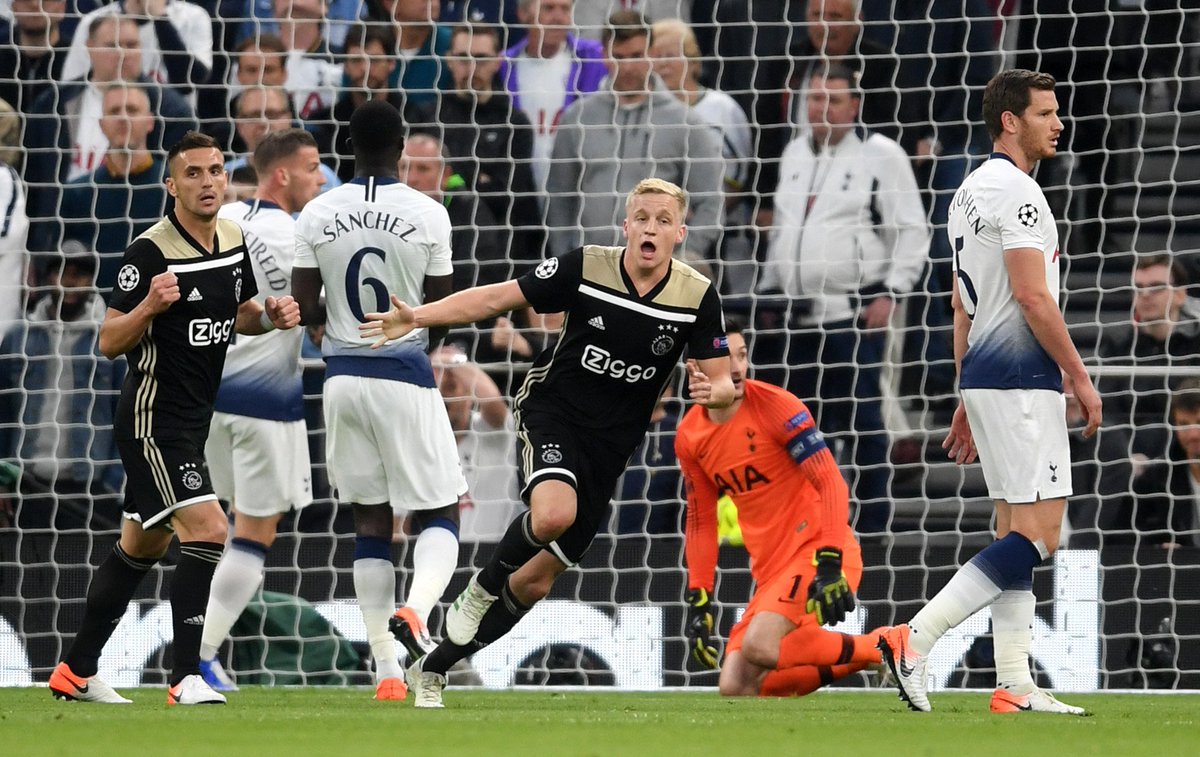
[276, 721]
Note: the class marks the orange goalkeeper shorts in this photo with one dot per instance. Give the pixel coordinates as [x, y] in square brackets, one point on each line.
[787, 593]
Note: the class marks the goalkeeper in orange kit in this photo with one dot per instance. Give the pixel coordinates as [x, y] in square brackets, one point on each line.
[765, 451]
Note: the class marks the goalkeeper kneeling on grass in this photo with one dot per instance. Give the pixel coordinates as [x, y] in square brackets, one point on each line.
[765, 451]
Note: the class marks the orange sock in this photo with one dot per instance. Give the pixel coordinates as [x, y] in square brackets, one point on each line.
[805, 679]
[813, 645]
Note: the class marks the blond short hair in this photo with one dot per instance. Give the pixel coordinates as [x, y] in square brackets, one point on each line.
[675, 28]
[658, 187]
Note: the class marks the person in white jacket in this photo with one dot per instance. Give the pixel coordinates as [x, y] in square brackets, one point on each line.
[850, 238]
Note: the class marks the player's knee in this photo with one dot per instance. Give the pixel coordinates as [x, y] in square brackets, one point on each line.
[735, 681]
[760, 652]
[551, 522]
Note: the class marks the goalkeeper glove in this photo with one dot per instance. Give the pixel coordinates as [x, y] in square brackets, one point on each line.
[829, 595]
[700, 627]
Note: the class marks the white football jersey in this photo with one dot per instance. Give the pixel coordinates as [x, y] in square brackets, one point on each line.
[262, 377]
[999, 207]
[372, 238]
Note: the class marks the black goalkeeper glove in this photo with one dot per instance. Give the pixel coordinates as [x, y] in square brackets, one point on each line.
[700, 627]
[829, 595]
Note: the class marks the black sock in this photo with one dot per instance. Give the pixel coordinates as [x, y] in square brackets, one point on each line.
[500, 618]
[497, 621]
[112, 587]
[516, 547]
[447, 653]
[189, 600]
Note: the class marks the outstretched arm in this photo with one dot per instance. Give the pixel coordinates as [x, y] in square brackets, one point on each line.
[467, 306]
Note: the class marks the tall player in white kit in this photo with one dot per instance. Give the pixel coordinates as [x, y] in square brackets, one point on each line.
[257, 448]
[388, 438]
[1012, 348]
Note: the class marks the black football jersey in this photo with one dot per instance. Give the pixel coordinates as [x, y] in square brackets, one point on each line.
[617, 348]
[175, 368]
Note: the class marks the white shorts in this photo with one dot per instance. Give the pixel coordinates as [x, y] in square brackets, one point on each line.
[390, 442]
[1021, 435]
[261, 466]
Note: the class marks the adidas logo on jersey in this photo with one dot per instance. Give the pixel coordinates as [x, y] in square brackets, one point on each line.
[195, 296]
[195, 620]
[597, 322]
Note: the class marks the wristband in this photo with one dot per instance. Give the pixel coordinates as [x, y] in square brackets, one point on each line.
[265, 320]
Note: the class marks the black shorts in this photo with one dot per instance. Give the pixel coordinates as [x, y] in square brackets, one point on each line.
[162, 477]
[550, 449]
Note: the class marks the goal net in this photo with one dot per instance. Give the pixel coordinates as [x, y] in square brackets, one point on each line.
[1119, 604]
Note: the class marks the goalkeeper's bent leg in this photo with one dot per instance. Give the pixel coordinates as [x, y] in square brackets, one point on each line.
[112, 587]
[812, 645]
[805, 679]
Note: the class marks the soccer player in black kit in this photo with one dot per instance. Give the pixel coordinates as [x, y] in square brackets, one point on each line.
[184, 287]
[584, 407]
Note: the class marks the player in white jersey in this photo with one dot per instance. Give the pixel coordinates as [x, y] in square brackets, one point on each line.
[257, 447]
[388, 439]
[1012, 348]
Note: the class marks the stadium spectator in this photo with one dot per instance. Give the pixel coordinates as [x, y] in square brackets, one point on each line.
[1083, 46]
[261, 17]
[499, 13]
[260, 62]
[390, 445]
[312, 75]
[778, 102]
[63, 140]
[262, 110]
[14, 232]
[783, 475]
[1012, 348]
[479, 255]
[607, 141]
[649, 496]
[367, 67]
[32, 51]
[176, 42]
[107, 209]
[588, 407]
[548, 71]
[56, 417]
[1163, 332]
[421, 45]
[592, 16]
[849, 239]
[257, 448]
[1167, 509]
[490, 142]
[677, 62]
[1103, 472]
[175, 344]
[486, 435]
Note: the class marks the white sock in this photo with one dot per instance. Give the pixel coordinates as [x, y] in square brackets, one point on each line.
[435, 556]
[375, 587]
[1012, 628]
[969, 591]
[233, 585]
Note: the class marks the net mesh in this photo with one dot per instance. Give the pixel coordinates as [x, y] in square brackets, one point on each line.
[1119, 608]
